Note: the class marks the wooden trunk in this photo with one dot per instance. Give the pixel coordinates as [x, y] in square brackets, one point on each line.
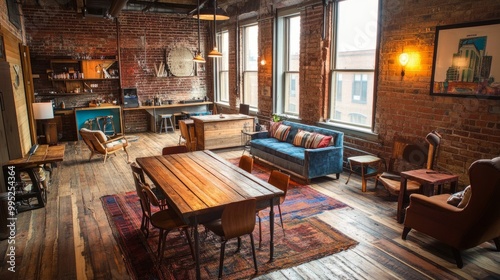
[214, 132]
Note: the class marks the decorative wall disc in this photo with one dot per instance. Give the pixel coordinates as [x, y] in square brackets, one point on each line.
[180, 62]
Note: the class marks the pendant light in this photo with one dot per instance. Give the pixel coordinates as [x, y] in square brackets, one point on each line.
[215, 52]
[198, 58]
[206, 13]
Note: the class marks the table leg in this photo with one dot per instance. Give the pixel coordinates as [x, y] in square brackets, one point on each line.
[453, 186]
[271, 229]
[350, 171]
[402, 194]
[197, 248]
[363, 179]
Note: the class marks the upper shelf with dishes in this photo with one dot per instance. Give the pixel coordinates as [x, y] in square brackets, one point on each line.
[70, 76]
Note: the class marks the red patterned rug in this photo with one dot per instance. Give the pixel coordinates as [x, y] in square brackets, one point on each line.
[306, 238]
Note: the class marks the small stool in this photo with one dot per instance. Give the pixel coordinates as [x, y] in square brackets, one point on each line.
[106, 121]
[166, 122]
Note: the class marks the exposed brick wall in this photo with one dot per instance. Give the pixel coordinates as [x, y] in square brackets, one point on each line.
[144, 39]
[470, 127]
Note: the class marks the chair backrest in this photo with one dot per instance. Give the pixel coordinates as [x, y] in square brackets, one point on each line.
[244, 109]
[238, 218]
[434, 139]
[94, 139]
[137, 173]
[149, 197]
[170, 150]
[246, 163]
[483, 210]
[190, 139]
[281, 181]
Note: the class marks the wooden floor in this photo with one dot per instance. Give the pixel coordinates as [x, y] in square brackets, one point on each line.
[71, 239]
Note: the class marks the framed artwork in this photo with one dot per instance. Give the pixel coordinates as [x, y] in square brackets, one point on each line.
[467, 60]
[2, 49]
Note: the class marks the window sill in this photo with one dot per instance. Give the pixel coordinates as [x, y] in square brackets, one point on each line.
[363, 133]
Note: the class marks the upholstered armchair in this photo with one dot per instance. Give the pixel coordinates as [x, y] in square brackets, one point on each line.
[461, 228]
[99, 143]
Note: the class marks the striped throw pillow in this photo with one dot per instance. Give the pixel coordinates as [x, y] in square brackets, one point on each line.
[303, 138]
[273, 126]
[320, 141]
[282, 132]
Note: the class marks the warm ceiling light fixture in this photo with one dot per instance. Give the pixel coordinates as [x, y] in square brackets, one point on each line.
[215, 52]
[198, 58]
[208, 12]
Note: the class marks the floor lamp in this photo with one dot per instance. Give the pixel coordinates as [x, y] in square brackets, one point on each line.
[44, 113]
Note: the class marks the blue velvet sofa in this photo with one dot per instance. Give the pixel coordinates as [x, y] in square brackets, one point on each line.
[307, 163]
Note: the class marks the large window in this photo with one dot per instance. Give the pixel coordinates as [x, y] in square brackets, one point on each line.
[355, 41]
[250, 65]
[288, 63]
[222, 77]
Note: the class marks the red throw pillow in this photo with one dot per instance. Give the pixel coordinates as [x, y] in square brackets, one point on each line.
[320, 141]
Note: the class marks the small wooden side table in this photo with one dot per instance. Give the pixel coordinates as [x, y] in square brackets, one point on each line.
[364, 168]
[429, 179]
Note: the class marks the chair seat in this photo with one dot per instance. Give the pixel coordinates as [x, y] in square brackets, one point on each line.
[393, 186]
[215, 226]
[166, 219]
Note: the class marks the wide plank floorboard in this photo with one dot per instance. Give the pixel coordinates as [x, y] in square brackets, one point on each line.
[71, 238]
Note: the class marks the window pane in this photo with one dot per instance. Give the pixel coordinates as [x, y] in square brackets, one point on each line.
[251, 88]
[292, 93]
[356, 34]
[356, 105]
[294, 43]
[251, 47]
[223, 86]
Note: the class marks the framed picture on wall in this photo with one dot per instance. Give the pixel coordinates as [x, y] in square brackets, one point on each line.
[2, 49]
[467, 60]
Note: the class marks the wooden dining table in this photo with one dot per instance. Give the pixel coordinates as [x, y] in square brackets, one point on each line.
[199, 184]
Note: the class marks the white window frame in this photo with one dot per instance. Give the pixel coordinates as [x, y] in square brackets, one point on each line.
[285, 98]
[250, 71]
[364, 99]
[221, 81]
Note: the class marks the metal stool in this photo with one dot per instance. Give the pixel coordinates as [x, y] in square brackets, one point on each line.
[166, 122]
[107, 124]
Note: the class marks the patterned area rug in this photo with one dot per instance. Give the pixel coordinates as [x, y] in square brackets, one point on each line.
[306, 238]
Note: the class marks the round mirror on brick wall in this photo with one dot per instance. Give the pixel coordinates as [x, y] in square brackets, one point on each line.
[180, 62]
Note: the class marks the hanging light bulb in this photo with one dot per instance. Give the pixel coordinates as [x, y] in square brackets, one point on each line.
[199, 58]
[215, 52]
[207, 14]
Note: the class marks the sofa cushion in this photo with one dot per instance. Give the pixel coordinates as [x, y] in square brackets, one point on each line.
[320, 141]
[282, 132]
[291, 153]
[273, 126]
[303, 138]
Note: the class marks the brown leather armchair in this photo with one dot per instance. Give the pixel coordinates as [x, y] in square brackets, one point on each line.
[461, 228]
[99, 143]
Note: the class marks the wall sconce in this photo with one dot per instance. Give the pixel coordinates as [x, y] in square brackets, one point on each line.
[263, 61]
[43, 111]
[403, 60]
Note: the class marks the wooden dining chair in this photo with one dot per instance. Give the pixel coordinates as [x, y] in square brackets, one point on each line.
[246, 163]
[187, 136]
[281, 181]
[165, 220]
[139, 179]
[170, 150]
[238, 219]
